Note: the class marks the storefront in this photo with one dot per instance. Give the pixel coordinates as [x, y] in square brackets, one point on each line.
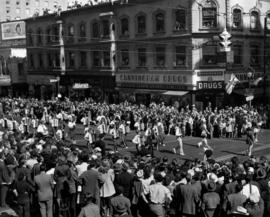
[155, 86]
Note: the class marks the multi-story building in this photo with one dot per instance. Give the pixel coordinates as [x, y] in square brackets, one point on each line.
[150, 50]
[21, 9]
[13, 67]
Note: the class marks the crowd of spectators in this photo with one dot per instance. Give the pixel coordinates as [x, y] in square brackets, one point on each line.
[44, 172]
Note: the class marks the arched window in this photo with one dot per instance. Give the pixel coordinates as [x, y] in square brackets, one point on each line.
[95, 30]
[105, 28]
[180, 19]
[141, 24]
[209, 14]
[82, 32]
[238, 54]
[237, 18]
[124, 26]
[254, 20]
[159, 22]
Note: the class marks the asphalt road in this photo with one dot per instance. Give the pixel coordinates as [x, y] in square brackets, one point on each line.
[224, 148]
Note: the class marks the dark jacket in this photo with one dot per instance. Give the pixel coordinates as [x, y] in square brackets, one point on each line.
[125, 180]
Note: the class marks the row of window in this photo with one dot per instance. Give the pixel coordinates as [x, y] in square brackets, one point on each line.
[209, 14]
[210, 56]
[28, 2]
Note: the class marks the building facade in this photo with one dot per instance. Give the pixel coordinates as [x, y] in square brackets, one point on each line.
[150, 50]
[21, 9]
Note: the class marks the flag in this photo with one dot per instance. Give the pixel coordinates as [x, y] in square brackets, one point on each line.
[257, 81]
[231, 84]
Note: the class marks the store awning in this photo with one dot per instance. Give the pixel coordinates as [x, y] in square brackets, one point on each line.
[175, 93]
[5, 80]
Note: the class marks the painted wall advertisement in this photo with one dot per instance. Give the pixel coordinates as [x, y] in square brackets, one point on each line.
[13, 30]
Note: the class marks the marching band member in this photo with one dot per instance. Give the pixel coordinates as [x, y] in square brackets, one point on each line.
[178, 134]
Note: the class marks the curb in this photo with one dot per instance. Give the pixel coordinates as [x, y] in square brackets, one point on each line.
[226, 157]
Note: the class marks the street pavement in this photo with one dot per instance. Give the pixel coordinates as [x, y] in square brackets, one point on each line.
[224, 148]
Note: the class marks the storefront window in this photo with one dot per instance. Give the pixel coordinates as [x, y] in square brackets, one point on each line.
[180, 19]
[254, 55]
[83, 58]
[160, 22]
[237, 51]
[160, 56]
[209, 55]
[124, 57]
[141, 24]
[237, 18]
[124, 27]
[209, 15]
[142, 57]
[180, 56]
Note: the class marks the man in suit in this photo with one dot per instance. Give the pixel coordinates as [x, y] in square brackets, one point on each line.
[44, 184]
[91, 181]
[186, 199]
[4, 180]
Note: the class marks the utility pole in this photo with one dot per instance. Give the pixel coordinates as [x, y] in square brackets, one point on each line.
[264, 60]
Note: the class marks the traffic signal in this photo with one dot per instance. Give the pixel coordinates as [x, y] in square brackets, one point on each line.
[225, 43]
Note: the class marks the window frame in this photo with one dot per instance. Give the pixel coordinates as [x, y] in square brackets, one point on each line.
[240, 27]
[155, 22]
[93, 34]
[96, 58]
[39, 36]
[258, 55]
[240, 56]
[157, 56]
[104, 60]
[83, 61]
[71, 59]
[82, 34]
[30, 41]
[104, 29]
[123, 52]
[215, 55]
[175, 29]
[138, 25]
[258, 21]
[183, 54]
[126, 32]
[209, 4]
[144, 55]
[70, 34]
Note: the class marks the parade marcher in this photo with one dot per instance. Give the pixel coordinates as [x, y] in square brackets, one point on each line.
[122, 134]
[178, 135]
[91, 208]
[249, 140]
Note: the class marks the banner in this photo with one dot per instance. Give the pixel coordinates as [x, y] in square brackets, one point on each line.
[233, 81]
[13, 30]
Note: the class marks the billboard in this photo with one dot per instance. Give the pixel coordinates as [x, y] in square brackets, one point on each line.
[13, 30]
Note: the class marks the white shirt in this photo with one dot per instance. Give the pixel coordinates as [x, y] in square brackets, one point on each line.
[247, 191]
[42, 129]
[82, 168]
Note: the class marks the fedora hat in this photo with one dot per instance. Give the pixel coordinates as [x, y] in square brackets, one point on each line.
[211, 186]
[260, 173]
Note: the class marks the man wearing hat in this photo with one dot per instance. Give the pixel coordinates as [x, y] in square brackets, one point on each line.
[210, 199]
[120, 205]
[90, 209]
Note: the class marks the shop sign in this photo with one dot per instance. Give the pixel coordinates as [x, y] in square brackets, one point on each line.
[80, 86]
[154, 78]
[243, 76]
[210, 85]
